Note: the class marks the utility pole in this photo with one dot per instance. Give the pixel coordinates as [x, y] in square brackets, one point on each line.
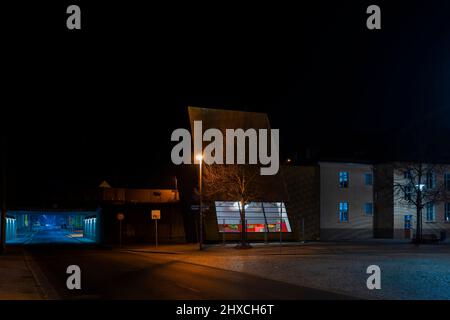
[3, 213]
[200, 182]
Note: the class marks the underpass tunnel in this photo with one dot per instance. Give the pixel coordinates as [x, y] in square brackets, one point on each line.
[41, 227]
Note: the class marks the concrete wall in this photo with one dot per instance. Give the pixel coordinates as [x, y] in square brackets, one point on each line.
[383, 222]
[138, 227]
[360, 224]
[303, 206]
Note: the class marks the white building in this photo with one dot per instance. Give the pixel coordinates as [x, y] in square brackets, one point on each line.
[346, 201]
[435, 216]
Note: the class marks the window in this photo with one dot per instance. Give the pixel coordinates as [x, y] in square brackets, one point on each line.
[431, 216]
[343, 179]
[447, 181]
[368, 208]
[343, 212]
[447, 212]
[368, 179]
[408, 192]
[259, 216]
[408, 222]
[431, 180]
[407, 174]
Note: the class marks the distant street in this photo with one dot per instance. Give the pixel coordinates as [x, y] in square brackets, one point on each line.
[51, 234]
[113, 274]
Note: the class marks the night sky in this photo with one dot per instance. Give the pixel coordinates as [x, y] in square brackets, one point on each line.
[81, 107]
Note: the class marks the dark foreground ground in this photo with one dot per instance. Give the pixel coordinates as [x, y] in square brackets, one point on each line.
[117, 274]
[292, 271]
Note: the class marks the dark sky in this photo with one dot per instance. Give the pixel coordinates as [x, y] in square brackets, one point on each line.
[80, 107]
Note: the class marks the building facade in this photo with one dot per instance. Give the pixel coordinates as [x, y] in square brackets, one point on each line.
[395, 192]
[267, 216]
[346, 201]
[135, 207]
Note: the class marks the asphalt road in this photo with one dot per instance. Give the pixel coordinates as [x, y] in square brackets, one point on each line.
[49, 235]
[114, 274]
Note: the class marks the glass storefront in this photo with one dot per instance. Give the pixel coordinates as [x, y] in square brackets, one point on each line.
[259, 216]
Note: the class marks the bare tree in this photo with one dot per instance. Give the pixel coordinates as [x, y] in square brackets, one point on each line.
[417, 184]
[239, 182]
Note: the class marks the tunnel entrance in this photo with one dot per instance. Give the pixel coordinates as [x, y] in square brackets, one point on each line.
[46, 227]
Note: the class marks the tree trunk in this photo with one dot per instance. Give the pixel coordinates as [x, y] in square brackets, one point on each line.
[243, 244]
[243, 226]
[419, 226]
[419, 214]
[419, 209]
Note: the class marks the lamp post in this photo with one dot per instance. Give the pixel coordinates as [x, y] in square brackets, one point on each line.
[199, 158]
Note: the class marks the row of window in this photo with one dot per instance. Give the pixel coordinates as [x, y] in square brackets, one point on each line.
[259, 216]
[431, 212]
[344, 179]
[368, 209]
[343, 210]
[430, 179]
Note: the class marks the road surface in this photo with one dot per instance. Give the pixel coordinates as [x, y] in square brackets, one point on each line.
[49, 235]
[114, 274]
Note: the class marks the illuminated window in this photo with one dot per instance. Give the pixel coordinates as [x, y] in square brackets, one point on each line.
[431, 215]
[343, 179]
[368, 179]
[259, 216]
[343, 212]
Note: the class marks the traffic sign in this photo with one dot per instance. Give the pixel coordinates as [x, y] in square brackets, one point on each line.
[120, 216]
[156, 214]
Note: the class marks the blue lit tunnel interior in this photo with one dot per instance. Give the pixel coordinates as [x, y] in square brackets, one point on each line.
[40, 227]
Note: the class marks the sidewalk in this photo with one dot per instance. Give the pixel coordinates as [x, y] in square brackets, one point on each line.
[17, 281]
[274, 248]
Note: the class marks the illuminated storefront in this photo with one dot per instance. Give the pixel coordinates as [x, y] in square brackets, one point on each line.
[259, 217]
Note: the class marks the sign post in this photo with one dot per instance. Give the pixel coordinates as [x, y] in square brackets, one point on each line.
[120, 217]
[156, 215]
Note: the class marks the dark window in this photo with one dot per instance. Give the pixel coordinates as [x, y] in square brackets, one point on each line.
[368, 208]
[431, 180]
[408, 192]
[447, 212]
[447, 181]
[431, 216]
[368, 179]
[408, 174]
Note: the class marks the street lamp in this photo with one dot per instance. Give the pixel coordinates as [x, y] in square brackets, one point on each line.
[199, 158]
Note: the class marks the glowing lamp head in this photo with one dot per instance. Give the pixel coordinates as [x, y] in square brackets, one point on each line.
[199, 157]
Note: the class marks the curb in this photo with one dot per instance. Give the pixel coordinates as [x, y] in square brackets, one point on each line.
[45, 288]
